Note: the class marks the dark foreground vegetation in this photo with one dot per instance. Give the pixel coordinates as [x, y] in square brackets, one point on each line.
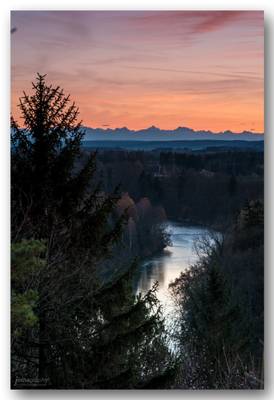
[70, 329]
[75, 321]
[220, 309]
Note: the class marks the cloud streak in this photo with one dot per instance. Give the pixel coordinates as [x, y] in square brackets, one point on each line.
[200, 73]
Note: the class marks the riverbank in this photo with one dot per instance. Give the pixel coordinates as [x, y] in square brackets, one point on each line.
[215, 226]
[168, 265]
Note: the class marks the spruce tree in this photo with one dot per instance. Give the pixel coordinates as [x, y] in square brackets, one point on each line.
[81, 322]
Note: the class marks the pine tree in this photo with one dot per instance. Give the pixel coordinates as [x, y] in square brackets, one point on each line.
[81, 323]
[127, 349]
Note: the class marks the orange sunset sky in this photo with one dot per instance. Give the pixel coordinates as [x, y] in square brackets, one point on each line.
[200, 69]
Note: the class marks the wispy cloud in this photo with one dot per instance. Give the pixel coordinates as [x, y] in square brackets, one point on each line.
[201, 73]
[189, 24]
[216, 20]
[147, 67]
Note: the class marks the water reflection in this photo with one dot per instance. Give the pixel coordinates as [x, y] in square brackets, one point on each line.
[166, 267]
[152, 271]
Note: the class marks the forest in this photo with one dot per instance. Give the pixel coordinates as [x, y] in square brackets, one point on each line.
[81, 221]
[183, 183]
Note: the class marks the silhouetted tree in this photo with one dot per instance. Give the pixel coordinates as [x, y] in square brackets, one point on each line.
[56, 201]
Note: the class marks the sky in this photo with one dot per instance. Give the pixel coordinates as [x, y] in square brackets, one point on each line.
[199, 69]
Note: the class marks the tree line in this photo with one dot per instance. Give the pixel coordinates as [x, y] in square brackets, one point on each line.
[183, 183]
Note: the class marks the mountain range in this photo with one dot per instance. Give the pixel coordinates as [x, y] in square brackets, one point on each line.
[154, 133]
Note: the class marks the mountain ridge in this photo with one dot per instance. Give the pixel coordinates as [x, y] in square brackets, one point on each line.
[155, 133]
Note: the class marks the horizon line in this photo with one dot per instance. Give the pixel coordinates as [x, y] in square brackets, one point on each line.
[105, 128]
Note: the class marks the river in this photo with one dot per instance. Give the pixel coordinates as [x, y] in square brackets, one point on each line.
[168, 265]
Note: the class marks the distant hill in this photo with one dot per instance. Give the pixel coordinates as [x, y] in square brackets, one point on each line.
[177, 145]
[154, 133]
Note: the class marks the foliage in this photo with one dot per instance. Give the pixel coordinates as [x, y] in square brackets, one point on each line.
[220, 314]
[27, 263]
[78, 331]
[182, 182]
